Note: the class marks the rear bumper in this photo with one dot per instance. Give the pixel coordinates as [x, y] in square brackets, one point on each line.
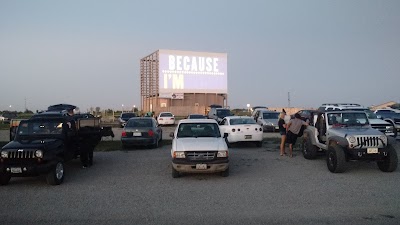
[241, 137]
[133, 141]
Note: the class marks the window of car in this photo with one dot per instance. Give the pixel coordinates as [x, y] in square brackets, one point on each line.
[139, 123]
[166, 115]
[127, 115]
[242, 121]
[221, 113]
[271, 115]
[198, 130]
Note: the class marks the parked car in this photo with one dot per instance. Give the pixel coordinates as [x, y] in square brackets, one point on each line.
[241, 129]
[199, 147]
[267, 119]
[219, 113]
[142, 131]
[125, 117]
[7, 116]
[197, 116]
[166, 118]
[391, 116]
[307, 114]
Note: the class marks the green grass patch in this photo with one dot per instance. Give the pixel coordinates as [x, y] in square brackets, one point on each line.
[4, 126]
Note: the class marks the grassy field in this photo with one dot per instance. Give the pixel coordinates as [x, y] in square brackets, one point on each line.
[4, 126]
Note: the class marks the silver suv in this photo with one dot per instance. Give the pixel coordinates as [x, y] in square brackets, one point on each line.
[345, 136]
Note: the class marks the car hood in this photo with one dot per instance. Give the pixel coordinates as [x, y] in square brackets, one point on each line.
[33, 144]
[378, 121]
[357, 131]
[199, 144]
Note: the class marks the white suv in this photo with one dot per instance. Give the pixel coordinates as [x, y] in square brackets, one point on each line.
[199, 147]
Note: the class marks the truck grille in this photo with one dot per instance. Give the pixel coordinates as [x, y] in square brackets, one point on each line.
[196, 156]
[25, 154]
[381, 128]
[367, 142]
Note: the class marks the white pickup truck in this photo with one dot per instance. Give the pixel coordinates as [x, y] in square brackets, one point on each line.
[199, 147]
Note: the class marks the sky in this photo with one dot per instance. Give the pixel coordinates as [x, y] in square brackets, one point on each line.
[87, 53]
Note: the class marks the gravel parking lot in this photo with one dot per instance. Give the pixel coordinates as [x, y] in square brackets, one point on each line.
[136, 187]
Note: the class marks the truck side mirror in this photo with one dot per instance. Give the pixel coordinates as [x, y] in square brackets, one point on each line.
[379, 116]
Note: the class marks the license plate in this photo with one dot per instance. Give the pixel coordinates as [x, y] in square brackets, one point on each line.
[247, 136]
[16, 170]
[201, 166]
[372, 150]
[137, 134]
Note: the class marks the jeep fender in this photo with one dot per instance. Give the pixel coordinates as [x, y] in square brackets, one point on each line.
[341, 141]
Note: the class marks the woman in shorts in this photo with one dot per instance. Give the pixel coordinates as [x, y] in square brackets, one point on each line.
[282, 131]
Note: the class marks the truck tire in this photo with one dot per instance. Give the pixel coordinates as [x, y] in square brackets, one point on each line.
[309, 150]
[389, 163]
[56, 175]
[175, 173]
[4, 178]
[225, 173]
[336, 159]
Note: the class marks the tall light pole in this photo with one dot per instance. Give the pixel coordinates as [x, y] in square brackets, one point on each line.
[122, 108]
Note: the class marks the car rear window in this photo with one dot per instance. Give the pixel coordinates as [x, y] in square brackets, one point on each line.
[166, 115]
[139, 123]
[242, 121]
[271, 115]
[128, 115]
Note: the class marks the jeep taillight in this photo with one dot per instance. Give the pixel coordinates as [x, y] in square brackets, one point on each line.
[151, 133]
[123, 134]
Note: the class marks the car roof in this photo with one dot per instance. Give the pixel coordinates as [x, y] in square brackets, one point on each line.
[198, 121]
[141, 118]
[268, 111]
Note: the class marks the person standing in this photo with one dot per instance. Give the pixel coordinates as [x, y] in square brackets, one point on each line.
[293, 128]
[282, 131]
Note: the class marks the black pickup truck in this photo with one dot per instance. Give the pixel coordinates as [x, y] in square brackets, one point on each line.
[43, 143]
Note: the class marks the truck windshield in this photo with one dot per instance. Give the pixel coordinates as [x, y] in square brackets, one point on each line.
[187, 130]
[27, 128]
[347, 119]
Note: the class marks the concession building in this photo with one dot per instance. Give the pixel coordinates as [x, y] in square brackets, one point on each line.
[183, 82]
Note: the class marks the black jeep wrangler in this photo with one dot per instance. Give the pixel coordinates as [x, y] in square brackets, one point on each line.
[43, 143]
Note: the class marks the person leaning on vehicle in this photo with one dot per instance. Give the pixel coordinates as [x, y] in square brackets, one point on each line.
[293, 128]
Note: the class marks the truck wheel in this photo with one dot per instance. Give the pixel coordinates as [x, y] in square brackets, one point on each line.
[4, 179]
[309, 150]
[175, 173]
[225, 173]
[336, 159]
[56, 175]
[389, 163]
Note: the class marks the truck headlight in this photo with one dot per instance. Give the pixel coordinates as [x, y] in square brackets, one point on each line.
[39, 154]
[179, 155]
[222, 154]
[389, 129]
[383, 138]
[352, 139]
[4, 154]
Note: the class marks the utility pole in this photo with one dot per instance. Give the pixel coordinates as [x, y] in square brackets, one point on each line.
[288, 99]
[25, 104]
